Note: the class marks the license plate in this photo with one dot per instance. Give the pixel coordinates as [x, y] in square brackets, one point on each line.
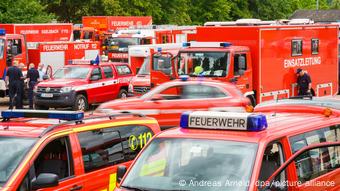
[47, 95]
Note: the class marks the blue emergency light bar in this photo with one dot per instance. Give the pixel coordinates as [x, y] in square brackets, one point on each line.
[61, 115]
[225, 44]
[2, 32]
[184, 77]
[206, 44]
[223, 121]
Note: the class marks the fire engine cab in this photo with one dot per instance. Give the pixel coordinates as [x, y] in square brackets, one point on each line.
[275, 150]
[82, 83]
[63, 150]
[261, 60]
[140, 60]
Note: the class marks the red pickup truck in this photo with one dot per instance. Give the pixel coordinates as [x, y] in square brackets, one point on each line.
[80, 85]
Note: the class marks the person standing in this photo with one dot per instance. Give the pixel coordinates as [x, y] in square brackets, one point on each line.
[32, 78]
[304, 83]
[14, 77]
[41, 71]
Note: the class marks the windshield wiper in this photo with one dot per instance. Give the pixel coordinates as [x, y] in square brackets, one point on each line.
[134, 188]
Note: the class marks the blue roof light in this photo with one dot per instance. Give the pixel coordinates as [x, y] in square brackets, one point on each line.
[225, 44]
[186, 44]
[61, 115]
[184, 77]
[159, 49]
[224, 121]
[2, 32]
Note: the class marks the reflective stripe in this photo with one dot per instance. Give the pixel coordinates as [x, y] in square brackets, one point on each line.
[155, 168]
[113, 124]
[95, 85]
[112, 184]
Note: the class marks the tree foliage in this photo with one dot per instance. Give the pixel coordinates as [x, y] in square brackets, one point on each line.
[23, 11]
[181, 12]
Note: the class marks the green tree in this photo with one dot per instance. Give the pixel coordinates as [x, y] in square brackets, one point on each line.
[239, 9]
[311, 4]
[175, 12]
[202, 11]
[335, 4]
[272, 9]
[23, 11]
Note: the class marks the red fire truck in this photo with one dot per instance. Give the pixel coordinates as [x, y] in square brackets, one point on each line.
[117, 46]
[46, 32]
[112, 23]
[139, 60]
[97, 28]
[261, 60]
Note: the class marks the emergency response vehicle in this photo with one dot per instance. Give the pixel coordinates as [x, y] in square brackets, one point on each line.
[62, 150]
[261, 60]
[297, 148]
[139, 60]
[83, 83]
[167, 101]
[117, 46]
[54, 55]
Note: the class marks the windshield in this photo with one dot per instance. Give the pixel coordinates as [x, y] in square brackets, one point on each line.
[13, 150]
[71, 73]
[193, 164]
[121, 44]
[207, 64]
[2, 45]
[145, 69]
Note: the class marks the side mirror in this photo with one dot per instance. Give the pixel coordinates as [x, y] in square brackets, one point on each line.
[157, 97]
[94, 78]
[121, 170]
[46, 77]
[45, 180]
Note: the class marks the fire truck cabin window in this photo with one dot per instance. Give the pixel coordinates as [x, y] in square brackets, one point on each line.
[207, 64]
[315, 46]
[2, 45]
[296, 47]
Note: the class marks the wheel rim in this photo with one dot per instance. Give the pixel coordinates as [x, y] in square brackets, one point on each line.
[123, 95]
[81, 104]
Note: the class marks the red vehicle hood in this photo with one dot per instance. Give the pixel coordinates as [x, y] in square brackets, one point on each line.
[141, 80]
[62, 82]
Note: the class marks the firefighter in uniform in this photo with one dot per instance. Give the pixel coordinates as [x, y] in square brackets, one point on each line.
[14, 77]
[32, 77]
[304, 82]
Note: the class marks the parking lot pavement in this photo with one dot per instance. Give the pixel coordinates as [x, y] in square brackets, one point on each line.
[4, 105]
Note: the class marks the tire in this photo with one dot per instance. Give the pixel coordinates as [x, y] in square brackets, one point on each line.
[80, 103]
[41, 107]
[252, 100]
[122, 94]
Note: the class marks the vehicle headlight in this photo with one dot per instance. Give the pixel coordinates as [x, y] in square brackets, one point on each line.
[130, 88]
[65, 89]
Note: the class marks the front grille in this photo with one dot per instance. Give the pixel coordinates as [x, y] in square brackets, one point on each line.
[48, 90]
[141, 89]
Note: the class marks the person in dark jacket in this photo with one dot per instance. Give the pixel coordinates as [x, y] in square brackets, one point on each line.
[304, 82]
[14, 77]
[32, 79]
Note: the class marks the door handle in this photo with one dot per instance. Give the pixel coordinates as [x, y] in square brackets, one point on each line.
[76, 187]
[103, 84]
